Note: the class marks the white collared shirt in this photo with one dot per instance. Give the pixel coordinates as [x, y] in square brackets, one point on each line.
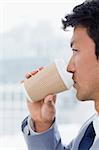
[96, 125]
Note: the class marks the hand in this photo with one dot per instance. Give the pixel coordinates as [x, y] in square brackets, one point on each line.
[42, 112]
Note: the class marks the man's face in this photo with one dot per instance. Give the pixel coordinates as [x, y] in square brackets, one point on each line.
[84, 65]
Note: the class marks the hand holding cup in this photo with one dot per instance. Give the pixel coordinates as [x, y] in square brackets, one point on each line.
[42, 112]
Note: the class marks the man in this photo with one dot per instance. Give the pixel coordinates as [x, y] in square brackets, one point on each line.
[40, 129]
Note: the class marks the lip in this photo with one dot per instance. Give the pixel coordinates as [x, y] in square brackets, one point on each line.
[74, 80]
[74, 85]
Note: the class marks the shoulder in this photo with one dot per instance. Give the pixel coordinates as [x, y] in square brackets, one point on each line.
[89, 120]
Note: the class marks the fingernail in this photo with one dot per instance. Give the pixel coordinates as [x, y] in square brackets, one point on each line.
[29, 74]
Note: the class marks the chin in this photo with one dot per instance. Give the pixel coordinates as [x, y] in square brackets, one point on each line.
[83, 94]
[81, 97]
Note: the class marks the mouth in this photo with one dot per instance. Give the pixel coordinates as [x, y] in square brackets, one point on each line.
[74, 85]
[73, 79]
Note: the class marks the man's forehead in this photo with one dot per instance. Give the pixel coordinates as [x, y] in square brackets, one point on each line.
[78, 34]
[73, 39]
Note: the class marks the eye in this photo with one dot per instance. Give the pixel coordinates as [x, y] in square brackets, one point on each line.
[74, 50]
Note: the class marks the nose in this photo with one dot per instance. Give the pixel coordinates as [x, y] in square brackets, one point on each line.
[71, 66]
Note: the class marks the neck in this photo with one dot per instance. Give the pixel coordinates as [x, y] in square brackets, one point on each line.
[97, 106]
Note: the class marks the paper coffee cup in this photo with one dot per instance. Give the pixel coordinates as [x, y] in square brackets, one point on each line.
[52, 79]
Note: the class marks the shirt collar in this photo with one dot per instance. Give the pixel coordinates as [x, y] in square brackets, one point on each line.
[96, 124]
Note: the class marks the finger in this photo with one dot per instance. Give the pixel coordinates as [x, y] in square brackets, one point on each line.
[55, 96]
[49, 98]
[29, 74]
[39, 69]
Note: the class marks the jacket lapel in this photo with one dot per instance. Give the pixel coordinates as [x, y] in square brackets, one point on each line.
[81, 134]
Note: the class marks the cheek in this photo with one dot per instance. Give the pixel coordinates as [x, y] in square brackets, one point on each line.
[81, 66]
[87, 74]
[84, 70]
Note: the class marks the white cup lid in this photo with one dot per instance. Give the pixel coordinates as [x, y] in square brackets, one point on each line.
[65, 76]
[28, 97]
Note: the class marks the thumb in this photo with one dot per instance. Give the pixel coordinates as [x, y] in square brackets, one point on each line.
[49, 100]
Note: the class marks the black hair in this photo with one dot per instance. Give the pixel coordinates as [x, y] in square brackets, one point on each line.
[86, 15]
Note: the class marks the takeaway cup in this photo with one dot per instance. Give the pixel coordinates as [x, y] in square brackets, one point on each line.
[53, 79]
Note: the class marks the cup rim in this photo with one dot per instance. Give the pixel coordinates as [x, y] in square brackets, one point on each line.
[26, 93]
[65, 76]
